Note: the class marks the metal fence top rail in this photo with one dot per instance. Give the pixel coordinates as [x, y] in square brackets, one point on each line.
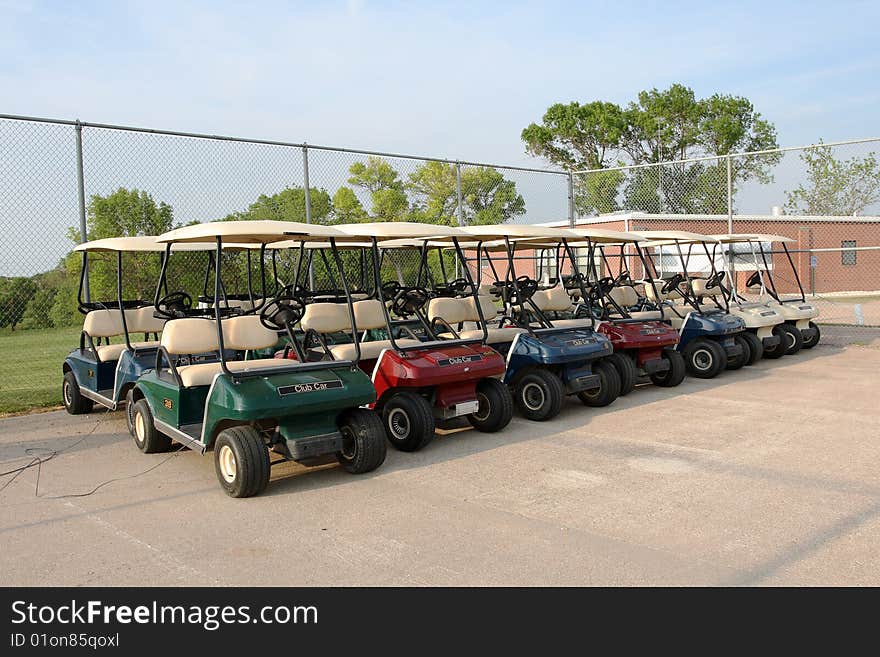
[270, 142]
[704, 158]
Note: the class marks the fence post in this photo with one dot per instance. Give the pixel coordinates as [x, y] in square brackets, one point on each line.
[570, 199]
[729, 195]
[458, 193]
[308, 201]
[81, 196]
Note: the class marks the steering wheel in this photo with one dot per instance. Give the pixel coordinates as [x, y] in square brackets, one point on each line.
[85, 307]
[284, 310]
[524, 290]
[390, 289]
[754, 279]
[408, 300]
[601, 287]
[175, 304]
[457, 286]
[715, 279]
[623, 278]
[574, 281]
[672, 283]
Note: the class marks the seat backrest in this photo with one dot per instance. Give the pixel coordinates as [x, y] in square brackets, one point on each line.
[103, 323]
[326, 318]
[368, 314]
[452, 311]
[555, 299]
[487, 305]
[246, 332]
[143, 320]
[190, 335]
[659, 283]
[698, 286]
[486, 290]
[624, 296]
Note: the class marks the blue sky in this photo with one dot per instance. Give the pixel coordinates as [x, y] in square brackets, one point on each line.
[442, 78]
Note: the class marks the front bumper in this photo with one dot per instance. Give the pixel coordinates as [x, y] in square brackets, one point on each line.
[731, 348]
[771, 342]
[809, 334]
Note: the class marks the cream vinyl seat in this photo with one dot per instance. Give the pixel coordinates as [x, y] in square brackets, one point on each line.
[108, 324]
[199, 336]
[459, 311]
[325, 318]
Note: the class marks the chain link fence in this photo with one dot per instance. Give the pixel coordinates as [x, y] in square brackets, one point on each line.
[824, 197]
[66, 181]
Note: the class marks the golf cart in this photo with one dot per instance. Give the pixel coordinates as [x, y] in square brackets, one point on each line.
[421, 376]
[644, 345]
[545, 363]
[309, 412]
[767, 334]
[99, 371]
[710, 338]
[800, 331]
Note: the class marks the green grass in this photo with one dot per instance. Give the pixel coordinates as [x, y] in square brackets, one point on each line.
[30, 367]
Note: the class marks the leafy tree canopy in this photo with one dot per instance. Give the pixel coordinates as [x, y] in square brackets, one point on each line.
[835, 186]
[287, 205]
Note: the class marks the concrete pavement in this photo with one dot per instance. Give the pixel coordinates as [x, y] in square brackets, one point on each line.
[769, 475]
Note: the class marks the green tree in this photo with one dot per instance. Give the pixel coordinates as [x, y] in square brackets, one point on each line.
[387, 194]
[487, 196]
[126, 213]
[14, 296]
[836, 187]
[659, 126]
[288, 205]
[347, 207]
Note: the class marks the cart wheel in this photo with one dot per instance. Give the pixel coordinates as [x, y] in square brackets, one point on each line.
[737, 362]
[672, 376]
[146, 436]
[792, 341]
[777, 351]
[609, 386]
[704, 359]
[129, 411]
[539, 395]
[812, 342]
[756, 347]
[241, 461]
[626, 370]
[74, 402]
[496, 406]
[363, 441]
[409, 421]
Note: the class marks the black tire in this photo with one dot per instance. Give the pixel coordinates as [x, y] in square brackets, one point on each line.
[496, 406]
[539, 394]
[793, 341]
[409, 421]
[363, 437]
[145, 435]
[74, 402]
[129, 411]
[777, 351]
[756, 347]
[626, 371]
[812, 342]
[675, 374]
[704, 358]
[241, 461]
[737, 362]
[609, 386]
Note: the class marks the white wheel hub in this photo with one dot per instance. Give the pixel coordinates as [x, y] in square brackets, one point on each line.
[702, 359]
[140, 429]
[228, 466]
[398, 422]
[533, 396]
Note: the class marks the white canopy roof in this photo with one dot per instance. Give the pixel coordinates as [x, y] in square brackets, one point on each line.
[514, 231]
[670, 236]
[605, 236]
[253, 232]
[388, 230]
[141, 243]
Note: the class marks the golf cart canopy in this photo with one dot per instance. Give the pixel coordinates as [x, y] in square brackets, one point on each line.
[395, 230]
[605, 236]
[139, 244]
[658, 237]
[248, 232]
[518, 232]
